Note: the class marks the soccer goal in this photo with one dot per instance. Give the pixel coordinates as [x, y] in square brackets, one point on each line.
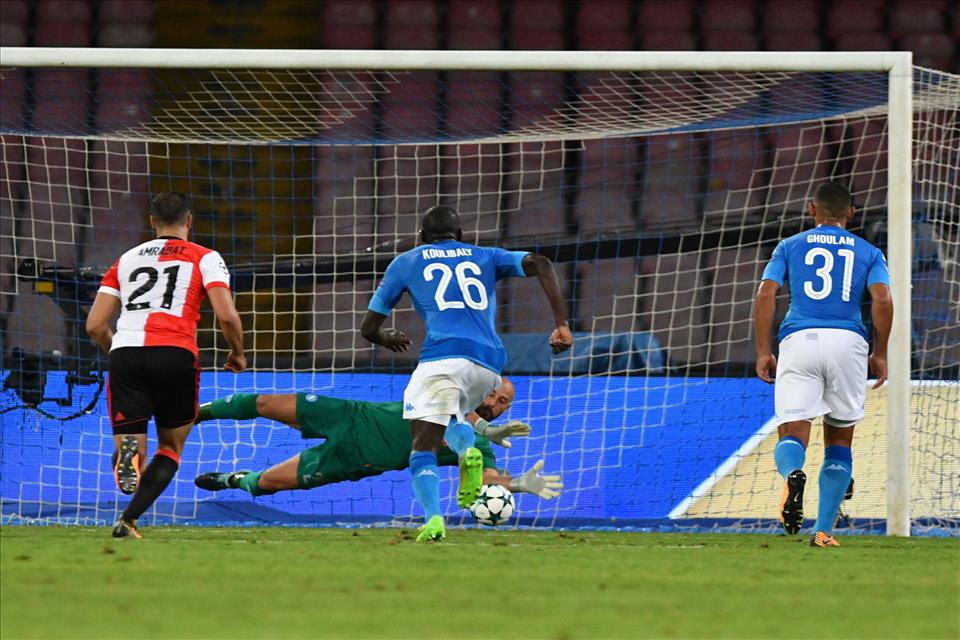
[658, 182]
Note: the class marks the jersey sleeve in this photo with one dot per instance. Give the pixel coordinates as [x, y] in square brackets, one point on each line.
[213, 271]
[509, 264]
[878, 273]
[388, 293]
[776, 269]
[489, 459]
[111, 281]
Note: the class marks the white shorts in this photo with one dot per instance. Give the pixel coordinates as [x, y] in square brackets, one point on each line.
[822, 372]
[439, 389]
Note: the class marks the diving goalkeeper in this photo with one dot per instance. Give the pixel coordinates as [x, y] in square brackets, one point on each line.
[362, 439]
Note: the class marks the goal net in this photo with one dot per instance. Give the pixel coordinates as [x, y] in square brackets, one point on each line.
[658, 195]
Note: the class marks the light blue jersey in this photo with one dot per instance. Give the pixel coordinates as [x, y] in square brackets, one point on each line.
[453, 287]
[828, 269]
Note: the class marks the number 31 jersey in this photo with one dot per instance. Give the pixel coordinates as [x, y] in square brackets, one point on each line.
[160, 284]
[453, 288]
[828, 269]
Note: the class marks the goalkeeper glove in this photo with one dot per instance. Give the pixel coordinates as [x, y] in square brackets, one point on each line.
[498, 434]
[547, 487]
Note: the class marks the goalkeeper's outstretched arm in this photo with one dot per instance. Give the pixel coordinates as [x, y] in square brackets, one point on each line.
[531, 481]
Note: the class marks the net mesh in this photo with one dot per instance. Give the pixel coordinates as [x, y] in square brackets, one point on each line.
[659, 196]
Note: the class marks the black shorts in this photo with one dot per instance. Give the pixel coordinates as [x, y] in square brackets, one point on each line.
[152, 381]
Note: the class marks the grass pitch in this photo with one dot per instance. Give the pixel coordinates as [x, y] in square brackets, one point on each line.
[307, 583]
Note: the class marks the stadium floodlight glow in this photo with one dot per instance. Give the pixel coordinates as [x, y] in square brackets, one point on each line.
[235, 111]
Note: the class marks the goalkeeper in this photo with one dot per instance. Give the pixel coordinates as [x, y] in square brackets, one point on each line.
[363, 439]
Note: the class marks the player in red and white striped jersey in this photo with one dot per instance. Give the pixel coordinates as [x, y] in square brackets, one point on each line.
[156, 288]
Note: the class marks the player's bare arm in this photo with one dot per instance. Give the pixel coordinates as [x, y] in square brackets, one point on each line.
[392, 339]
[230, 324]
[540, 266]
[764, 308]
[881, 311]
[104, 311]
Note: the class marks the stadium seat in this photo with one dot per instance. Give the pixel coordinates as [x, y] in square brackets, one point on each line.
[917, 16]
[794, 41]
[606, 295]
[671, 170]
[125, 35]
[535, 205]
[534, 97]
[345, 199]
[604, 40]
[802, 160]
[12, 35]
[869, 180]
[12, 170]
[473, 24]
[536, 39]
[473, 14]
[65, 10]
[670, 305]
[796, 15]
[36, 322]
[409, 107]
[862, 41]
[356, 13]
[408, 183]
[734, 274]
[735, 159]
[348, 99]
[931, 50]
[474, 104]
[119, 183]
[404, 37]
[545, 15]
[730, 40]
[608, 187]
[604, 25]
[15, 12]
[475, 39]
[846, 16]
[138, 12]
[336, 322]
[62, 34]
[668, 41]
[733, 15]
[13, 95]
[664, 15]
[522, 306]
[411, 13]
[336, 36]
[470, 183]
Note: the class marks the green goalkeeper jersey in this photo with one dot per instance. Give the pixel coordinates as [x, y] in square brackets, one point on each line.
[374, 435]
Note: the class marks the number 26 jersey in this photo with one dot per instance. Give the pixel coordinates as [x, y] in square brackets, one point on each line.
[828, 269]
[453, 287]
[160, 284]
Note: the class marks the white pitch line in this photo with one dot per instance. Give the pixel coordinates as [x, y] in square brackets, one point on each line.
[728, 465]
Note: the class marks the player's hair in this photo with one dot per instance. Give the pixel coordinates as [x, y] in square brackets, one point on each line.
[833, 200]
[170, 208]
[440, 223]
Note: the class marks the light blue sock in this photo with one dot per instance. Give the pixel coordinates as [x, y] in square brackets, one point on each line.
[789, 455]
[426, 481]
[459, 436]
[834, 479]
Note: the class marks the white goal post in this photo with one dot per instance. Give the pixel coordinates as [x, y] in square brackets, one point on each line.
[898, 66]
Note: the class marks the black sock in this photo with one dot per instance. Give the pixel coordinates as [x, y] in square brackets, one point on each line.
[154, 480]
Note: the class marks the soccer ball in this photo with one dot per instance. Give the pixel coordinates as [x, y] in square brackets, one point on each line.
[494, 505]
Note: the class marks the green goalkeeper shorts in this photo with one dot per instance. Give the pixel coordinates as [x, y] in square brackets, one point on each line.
[337, 459]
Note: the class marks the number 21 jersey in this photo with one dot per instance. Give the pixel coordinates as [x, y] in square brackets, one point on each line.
[160, 284]
[828, 269]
